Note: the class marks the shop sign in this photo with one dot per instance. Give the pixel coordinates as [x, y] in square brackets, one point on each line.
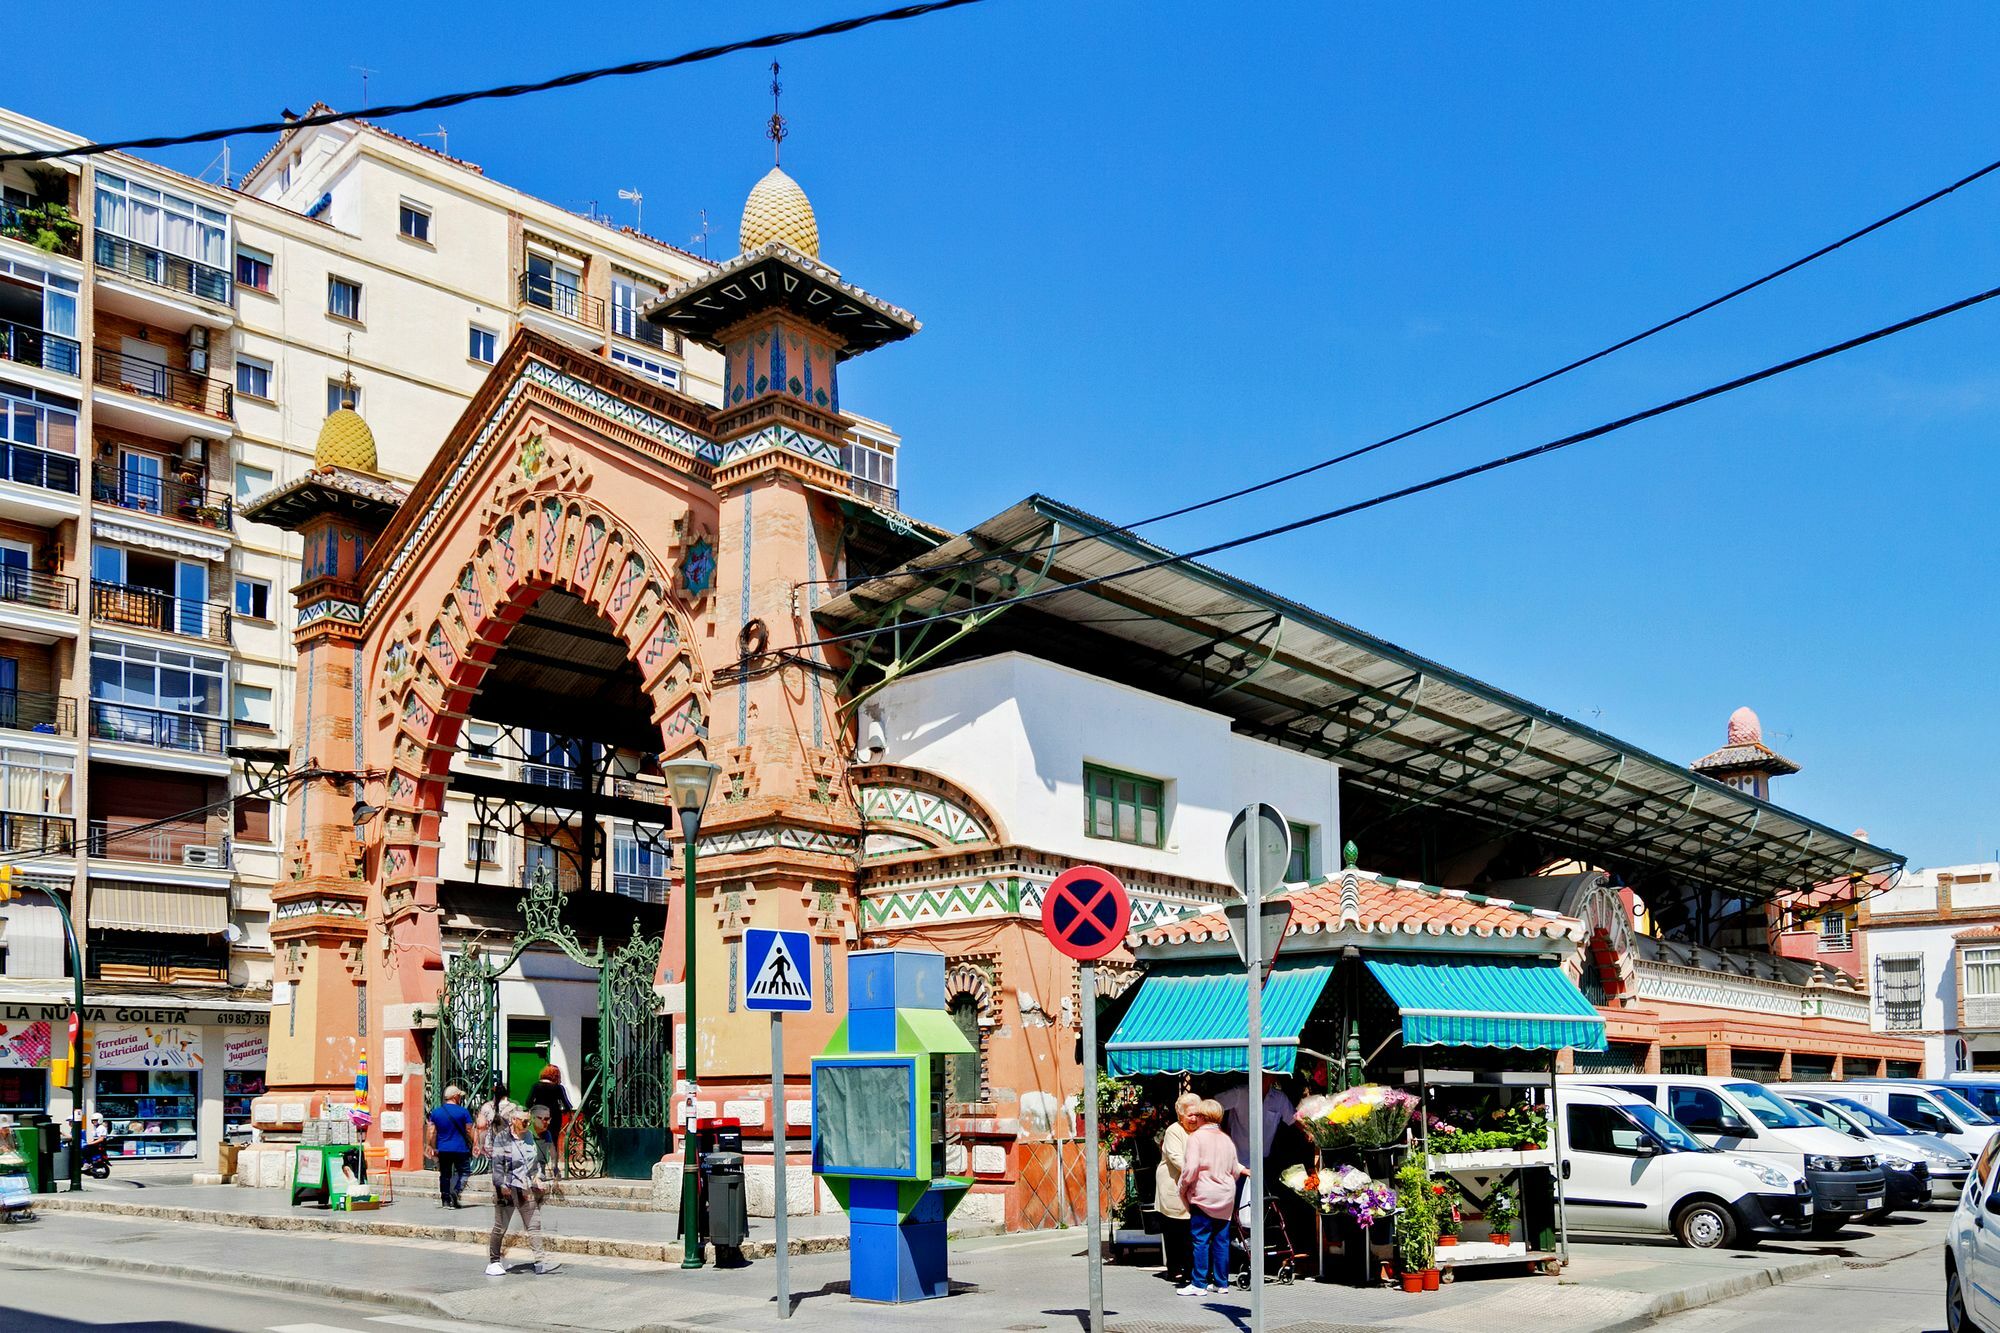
[147, 1047]
[249, 1050]
[112, 1013]
[24, 1045]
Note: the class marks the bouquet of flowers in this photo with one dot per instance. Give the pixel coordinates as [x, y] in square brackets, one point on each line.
[1342, 1190]
[1368, 1116]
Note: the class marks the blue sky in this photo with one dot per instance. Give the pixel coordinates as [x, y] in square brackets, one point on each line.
[1162, 248]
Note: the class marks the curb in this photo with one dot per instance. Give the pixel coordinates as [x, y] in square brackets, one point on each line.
[1695, 1296]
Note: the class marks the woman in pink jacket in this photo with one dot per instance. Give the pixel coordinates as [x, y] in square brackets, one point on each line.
[1208, 1185]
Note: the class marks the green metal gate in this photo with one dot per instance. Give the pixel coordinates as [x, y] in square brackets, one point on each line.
[621, 1126]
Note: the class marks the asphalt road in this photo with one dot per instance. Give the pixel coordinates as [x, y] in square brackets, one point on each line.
[1903, 1296]
[37, 1298]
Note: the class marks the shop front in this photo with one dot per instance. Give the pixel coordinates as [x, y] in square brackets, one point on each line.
[170, 1079]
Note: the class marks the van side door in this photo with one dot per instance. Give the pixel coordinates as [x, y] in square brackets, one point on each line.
[1614, 1179]
[1712, 1118]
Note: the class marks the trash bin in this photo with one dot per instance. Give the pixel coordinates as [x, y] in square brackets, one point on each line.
[728, 1213]
[37, 1153]
[225, 1159]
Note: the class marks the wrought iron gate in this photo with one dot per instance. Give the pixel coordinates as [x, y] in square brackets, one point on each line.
[621, 1127]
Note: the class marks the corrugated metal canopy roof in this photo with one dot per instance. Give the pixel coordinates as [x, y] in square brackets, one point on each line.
[1400, 725]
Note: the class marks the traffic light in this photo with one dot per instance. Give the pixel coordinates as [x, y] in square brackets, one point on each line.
[7, 889]
[59, 1071]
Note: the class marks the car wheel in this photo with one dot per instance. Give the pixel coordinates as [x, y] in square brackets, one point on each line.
[1703, 1225]
[1955, 1318]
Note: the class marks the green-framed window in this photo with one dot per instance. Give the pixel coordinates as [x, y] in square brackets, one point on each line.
[1300, 869]
[1124, 806]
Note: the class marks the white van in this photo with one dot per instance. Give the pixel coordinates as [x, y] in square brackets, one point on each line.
[1927, 1106]
[1628, 1168]
[1742, 1117]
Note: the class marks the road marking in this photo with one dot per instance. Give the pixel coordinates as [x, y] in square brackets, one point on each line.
[437, 1325]
[309, 1328]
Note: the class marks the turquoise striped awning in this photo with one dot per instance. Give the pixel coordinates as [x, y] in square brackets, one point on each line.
[1510, 1002]
[1198, 1023]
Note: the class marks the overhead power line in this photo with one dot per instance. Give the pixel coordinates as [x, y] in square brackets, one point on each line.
[1418, 488]
[766, 42]
[1525, 385]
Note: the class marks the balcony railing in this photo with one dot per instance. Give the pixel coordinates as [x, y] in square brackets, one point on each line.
[26, 345]
[184, 844]
[37, 835]
[629, 323]
[872, 491]
[130, 259]
[1982, 1013]
[37, 710]
[158, 728]
[544, 775]
[158, 495]
[26, 465]
[165, 384]
[560, 298]
[161, 612]
[645, 888]
[155, 962]
[31, 587]
[29, 222]
[566, 877]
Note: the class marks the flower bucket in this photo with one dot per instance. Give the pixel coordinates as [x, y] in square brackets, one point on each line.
[1447, 1240]
[1430, 1278]
[1413, 1282]
[1503, 1238]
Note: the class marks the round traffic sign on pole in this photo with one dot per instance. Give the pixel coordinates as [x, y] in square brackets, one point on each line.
[1085, 913]
[1259, 831]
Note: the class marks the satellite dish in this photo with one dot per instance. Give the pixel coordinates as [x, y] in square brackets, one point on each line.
[233, 933]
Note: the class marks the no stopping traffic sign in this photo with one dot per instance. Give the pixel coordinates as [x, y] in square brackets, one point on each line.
[1085, 913]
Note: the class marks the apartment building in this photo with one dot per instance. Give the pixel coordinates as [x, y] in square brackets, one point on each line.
[169, 348]
[1931, 941]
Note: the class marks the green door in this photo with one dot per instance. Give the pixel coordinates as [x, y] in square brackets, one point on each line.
[527, 1055]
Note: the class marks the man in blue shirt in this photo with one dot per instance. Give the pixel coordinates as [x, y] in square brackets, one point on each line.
[451, 1142]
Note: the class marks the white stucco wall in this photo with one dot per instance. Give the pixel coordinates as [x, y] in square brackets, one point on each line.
[1940, 1013]
[1016, 732]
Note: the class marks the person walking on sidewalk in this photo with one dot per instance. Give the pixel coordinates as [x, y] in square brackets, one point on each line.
[517, 1190]
[451, 1143]
[1167, 1198]
[492, 1118]
[1208, 1183]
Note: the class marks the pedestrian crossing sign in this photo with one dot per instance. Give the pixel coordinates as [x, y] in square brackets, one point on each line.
[780, 971]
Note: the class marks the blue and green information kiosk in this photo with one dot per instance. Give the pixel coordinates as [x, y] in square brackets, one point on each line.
[878, 1094]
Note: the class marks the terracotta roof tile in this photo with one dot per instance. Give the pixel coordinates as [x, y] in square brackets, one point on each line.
[1381, 905]
[1991, 932]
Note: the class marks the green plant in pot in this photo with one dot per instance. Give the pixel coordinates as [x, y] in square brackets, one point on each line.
[1416, 1226]
[1445, 1199]
[1501, 1211]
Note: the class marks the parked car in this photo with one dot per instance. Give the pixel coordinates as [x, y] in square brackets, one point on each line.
[1949, 1164]
[1972, 1251]
[1628, 1168]
[1982, 1090]
[1906, 1172]
[1745, 1118]
[1924, 1105]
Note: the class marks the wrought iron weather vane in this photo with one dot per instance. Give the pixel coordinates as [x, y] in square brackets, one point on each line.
[776, 130]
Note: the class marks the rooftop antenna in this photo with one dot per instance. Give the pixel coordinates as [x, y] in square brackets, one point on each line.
[776, 130]
[701, 237]
[223, 158]
[349, 390]
[444, 139]
[364, 72]
[638, 202]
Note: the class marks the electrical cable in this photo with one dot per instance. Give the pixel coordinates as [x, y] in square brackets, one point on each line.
[1500, 397]
[765, 42]
[1418, 488]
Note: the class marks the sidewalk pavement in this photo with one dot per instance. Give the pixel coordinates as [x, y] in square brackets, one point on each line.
[1021, 1282]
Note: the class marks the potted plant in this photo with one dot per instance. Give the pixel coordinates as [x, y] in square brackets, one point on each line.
[1445, 1200]
[1501, 1210]
[1416, 1226]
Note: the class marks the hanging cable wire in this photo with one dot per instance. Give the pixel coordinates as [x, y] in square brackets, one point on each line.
[1418, 488]
[765, 42]
[1523, 387]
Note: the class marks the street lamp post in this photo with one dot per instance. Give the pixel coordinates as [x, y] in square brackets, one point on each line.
[689, 780]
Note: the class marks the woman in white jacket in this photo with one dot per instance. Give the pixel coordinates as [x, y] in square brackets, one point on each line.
[1174, 1236]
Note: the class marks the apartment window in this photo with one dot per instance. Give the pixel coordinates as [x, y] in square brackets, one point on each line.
[481, 739]
[253, 269]
[251, 481]
[253, 377]
[35, 784]
[1300, 869]
[343, 298]
[869, 463]
[252, 707]
[1833, 931]
[1124, 807]
[555, 284]
[414, 221]
[32, 417]
[339, 394]
[154, 696]
[485, 345]
[482, 845]
[253, 599]
[651, 367]
[628, 296]
[165, 221]
[638, 867]
[1899, 988]
[1982, 972]
[253, 819]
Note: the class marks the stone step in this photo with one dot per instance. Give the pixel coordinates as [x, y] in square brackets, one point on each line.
[634, 1196]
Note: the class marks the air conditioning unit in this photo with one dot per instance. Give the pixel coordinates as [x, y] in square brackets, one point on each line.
[195, 451]
[210, 858]
[198, 350]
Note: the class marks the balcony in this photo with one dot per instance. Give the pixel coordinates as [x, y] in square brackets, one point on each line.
[25, 345]
[127, 959]
[157, 495]
[561, 311]
[644, 888]
[874, 492]
[157, 268]
[1981, 1013]
[135, 607]
[25, 465]
[51, 228]
[164, 384]
[31, 587]
[158, 728]
[37, 711]
[37, 835]
[627, 323]
[184, 844]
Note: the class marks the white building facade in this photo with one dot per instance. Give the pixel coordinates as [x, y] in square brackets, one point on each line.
[1932, 945]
